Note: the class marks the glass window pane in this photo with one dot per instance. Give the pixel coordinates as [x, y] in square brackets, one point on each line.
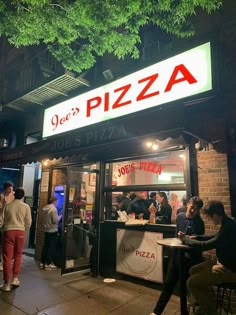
[167, 168]
[114, 202]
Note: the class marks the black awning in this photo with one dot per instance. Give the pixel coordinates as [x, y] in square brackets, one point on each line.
[98, 143]
[123, 136]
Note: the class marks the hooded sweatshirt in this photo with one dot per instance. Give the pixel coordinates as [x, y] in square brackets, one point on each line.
[50, 218]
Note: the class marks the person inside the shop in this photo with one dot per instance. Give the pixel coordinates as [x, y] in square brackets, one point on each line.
[139, 206]
[183, 208]
[211, 273]
[125, 201]
[164, 210]
[152, 199]
[191, 224]
[132, 196]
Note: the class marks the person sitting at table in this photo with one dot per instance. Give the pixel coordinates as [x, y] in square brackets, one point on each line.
[207, 274]
[164, 210]
[139, 206]
[191, 224]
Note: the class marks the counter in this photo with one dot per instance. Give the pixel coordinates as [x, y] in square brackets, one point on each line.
[129, 241]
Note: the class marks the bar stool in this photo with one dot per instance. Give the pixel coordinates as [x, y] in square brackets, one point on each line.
[223, 297]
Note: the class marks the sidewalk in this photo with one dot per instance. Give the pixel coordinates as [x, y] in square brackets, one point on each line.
[48, 293]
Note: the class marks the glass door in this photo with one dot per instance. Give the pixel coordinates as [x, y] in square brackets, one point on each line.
[78, 226]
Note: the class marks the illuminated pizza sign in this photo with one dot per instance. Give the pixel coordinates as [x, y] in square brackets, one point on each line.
[186, 74]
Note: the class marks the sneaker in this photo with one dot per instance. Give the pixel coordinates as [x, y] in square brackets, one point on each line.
[1, 267]
[15, 282]
[5, 287]
[41, 266]
[50, 267]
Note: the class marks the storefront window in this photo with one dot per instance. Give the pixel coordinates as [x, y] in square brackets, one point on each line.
[165, 169]
[164, 172]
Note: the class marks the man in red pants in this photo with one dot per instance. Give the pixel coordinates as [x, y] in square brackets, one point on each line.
[6, 197]
[15, 219]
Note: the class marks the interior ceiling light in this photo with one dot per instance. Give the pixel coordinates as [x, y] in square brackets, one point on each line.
[45, 163]
[149, 144]
[152, 145]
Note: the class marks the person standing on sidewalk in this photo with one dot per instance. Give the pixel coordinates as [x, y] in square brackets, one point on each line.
[6, 197]
[15, 219]
[50, 220]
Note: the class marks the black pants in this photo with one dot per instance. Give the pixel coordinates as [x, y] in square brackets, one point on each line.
[172, 278]
[49, 248]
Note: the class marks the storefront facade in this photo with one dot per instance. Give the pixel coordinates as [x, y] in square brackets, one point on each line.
[137, 134]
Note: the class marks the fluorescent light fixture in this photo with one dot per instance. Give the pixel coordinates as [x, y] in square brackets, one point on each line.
[10, 169]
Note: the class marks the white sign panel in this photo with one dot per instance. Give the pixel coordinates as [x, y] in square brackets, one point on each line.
[138, 254]
[44, 181]
[184, 75]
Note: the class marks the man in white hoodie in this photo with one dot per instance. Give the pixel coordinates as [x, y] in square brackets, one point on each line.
[50, 221]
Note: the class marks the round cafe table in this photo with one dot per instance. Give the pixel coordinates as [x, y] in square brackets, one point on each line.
[176, 243]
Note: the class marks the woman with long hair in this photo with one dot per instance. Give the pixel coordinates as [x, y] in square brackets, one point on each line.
[164, 210]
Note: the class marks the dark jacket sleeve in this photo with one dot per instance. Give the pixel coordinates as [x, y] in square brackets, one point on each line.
[177, 229]
[205, 237]
[203, 245]
[130, 208]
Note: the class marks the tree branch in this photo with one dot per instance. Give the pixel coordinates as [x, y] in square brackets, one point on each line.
[57, 5]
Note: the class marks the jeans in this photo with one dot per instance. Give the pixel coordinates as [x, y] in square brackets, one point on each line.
[202, 277]
[172, 278]
[49, 248]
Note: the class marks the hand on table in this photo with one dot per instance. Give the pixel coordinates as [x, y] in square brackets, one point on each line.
[140, 216]
[181, 235]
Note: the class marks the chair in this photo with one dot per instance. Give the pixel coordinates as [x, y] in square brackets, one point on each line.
[223, 298]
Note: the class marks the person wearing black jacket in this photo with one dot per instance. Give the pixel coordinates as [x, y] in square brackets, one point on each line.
[139, 206]
[164, 210]
[208, 274]
[152, 199]
[191, 224]
[125, 201]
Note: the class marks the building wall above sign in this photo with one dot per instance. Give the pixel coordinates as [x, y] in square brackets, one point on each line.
[186, 74]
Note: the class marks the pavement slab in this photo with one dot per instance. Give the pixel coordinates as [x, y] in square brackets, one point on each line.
[48, 293]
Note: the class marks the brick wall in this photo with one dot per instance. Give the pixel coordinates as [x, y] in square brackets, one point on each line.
[213, 183]
[39, 229]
